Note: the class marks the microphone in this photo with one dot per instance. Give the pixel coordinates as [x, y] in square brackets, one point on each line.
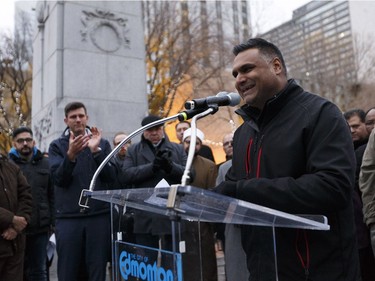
[221, 99]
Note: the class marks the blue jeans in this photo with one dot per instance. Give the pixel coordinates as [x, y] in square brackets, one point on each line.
[36, 257]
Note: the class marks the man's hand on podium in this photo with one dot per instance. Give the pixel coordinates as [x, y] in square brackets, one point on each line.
[228, 188]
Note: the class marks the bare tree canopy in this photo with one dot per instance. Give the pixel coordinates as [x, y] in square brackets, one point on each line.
[183, 56]
[15, 81]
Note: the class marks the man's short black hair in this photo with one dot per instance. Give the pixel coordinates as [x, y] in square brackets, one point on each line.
[73, 106]
[182, 122]
[20, 130]
[265, 48]
[355, 112]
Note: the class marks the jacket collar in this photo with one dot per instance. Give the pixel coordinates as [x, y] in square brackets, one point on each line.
[66, 132]
[14, 155]
[272, 106]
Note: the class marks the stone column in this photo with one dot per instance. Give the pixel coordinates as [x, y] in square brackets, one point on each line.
[91, 52]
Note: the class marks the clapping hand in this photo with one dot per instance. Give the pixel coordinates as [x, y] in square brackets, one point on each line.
[76, 145]
[94, 140]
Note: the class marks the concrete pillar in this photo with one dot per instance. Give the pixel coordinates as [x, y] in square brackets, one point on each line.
[93, 52]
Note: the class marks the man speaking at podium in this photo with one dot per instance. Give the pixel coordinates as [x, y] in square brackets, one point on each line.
[293, 153]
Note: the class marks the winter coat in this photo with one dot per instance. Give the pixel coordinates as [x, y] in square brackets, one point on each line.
[37, 174]
[137, 171]
[367, 181]
[363, 232]
[15, 199]
[70, 178]
[297, 156]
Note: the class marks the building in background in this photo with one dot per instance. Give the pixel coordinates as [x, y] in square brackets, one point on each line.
[188, 55]
[329, 48]
[93, 52]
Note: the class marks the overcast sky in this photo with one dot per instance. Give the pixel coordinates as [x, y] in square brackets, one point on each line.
[266, 13]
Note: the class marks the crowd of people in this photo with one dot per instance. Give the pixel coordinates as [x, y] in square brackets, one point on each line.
[295, 152]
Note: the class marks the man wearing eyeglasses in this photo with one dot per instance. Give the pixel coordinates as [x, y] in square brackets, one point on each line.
[228, 146]
[35, 167]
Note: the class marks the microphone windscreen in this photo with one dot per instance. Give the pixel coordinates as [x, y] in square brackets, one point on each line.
[235, 99]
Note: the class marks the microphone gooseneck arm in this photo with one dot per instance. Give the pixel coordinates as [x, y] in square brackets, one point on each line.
[173, 200]
[193, 139]
[118, 147]
[185, 115]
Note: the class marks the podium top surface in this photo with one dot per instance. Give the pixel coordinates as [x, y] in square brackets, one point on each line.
[197, 204]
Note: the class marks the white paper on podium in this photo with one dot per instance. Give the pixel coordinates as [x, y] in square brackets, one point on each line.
[162, 183]
[158, 201]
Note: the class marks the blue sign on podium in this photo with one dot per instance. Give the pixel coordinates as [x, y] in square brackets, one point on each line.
[135, 262]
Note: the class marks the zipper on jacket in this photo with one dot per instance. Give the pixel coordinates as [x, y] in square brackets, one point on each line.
[248, 158]
[258, 156]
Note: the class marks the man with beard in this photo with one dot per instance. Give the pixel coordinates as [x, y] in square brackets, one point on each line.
[35, 167]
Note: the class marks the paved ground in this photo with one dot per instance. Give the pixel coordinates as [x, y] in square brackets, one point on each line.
[219, 256]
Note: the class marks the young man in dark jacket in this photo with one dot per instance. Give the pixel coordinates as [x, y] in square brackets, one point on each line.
[35, 167]
[82, 235]
[293, 153]
[15, 212]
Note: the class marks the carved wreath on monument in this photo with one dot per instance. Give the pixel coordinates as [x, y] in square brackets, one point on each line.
[106, 30]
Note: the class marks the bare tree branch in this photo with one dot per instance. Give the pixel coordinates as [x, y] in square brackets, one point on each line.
[15, 81]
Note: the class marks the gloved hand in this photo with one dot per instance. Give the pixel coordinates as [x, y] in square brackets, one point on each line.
[166, 164]
[156, 166]
[228, 188]
[163, 161]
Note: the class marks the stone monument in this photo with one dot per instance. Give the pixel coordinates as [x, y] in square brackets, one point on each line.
[93, 52]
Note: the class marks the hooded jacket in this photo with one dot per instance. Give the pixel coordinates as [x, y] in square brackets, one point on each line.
[15, 199]
[71, 177]
[37, 174]
[297, 156]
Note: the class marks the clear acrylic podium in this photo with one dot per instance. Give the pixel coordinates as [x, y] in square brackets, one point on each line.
[192, 204]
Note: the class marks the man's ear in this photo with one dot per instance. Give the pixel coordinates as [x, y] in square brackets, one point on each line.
[277, 65]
